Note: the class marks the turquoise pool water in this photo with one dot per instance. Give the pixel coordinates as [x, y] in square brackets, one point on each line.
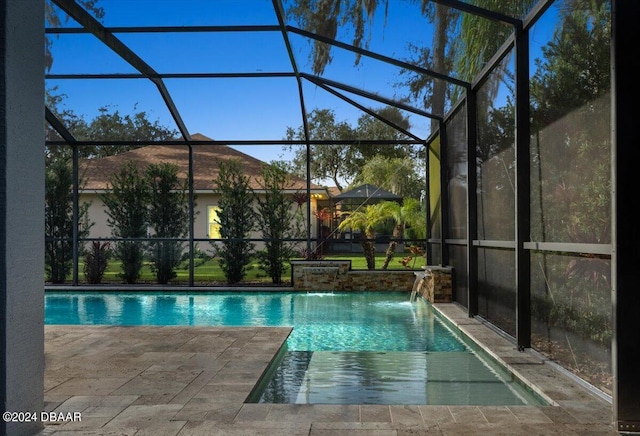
[345, 348]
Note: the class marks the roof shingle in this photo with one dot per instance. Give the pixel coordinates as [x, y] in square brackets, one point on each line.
[95, 173]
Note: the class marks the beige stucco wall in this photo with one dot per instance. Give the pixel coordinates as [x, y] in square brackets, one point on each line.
[100, 229]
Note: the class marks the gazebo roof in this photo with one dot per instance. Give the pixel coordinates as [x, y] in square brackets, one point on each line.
[366, 193]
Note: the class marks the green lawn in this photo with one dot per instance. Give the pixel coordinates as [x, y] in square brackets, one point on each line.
[209, 271]
[359, 262]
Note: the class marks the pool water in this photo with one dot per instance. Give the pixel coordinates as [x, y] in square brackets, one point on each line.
[345, 348]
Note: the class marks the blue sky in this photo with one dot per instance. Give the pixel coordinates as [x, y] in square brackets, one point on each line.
[239, 108]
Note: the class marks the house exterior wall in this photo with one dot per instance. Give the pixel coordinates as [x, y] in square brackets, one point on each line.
[97, 216]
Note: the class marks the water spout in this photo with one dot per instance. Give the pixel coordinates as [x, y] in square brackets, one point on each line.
[416, 285]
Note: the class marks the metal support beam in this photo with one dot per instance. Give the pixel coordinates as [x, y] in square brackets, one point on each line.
[75, 11]
[625, 255]
[280, 13]
[368, 111]
[167, 29]
[75, 208]
[192, 218]
[523, 191]
[379, 57]
[129, 76]
[427, 204]
[481, 12]
[472, 204]
[318, 80]
[444, 195]
[232, 142]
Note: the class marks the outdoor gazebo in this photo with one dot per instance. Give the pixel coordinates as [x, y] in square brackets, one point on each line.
[340, 206]
[365, 194]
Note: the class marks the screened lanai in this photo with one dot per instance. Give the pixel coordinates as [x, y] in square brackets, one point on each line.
[506, 111]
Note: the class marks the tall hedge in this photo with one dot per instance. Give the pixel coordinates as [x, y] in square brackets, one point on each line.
[126, 207]
[275, 220]
[58, 221]
[235, 218]
[168, 218]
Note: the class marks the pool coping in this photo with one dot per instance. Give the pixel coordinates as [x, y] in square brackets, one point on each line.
[194, 380]
[502, 351]
[142, 288]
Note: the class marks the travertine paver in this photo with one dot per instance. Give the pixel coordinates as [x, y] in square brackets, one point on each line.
[406, 414]
[436, 414]
[467, 415]
[375, 413]
[499, 415]
[179, 381]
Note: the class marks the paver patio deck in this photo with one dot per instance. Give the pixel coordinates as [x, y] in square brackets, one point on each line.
[194, 380]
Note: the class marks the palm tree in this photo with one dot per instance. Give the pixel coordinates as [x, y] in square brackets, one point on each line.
[407, 214]
[365, 220]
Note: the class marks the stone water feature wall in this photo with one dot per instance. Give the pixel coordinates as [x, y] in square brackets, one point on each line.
[336, 275]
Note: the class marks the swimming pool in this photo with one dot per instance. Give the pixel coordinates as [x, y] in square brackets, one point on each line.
[345, 348]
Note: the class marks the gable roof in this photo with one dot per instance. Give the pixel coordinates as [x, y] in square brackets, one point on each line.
[333, 191]
[95, 173]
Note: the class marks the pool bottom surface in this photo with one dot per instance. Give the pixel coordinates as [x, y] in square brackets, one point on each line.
[431, 378]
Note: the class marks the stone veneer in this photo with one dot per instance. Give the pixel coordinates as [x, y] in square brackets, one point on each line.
[336, 275]
[434, 284]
